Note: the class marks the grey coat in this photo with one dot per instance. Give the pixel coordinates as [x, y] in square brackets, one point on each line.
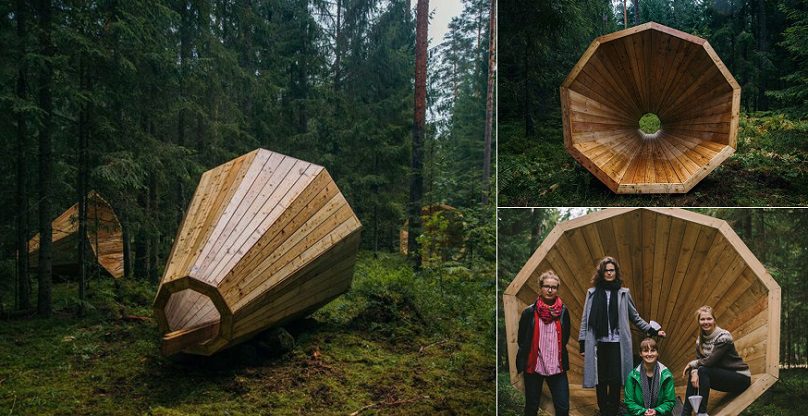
[625, 311]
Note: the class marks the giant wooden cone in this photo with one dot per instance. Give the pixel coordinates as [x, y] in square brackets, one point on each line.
[104, 239]
[267, 238]
[673, 261]
[650, 69]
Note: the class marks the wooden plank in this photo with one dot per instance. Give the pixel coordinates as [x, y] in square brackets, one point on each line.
[315, 232]
[177, 341]
[305, 251]
[256, 178]
[279, 190]
[291, 202]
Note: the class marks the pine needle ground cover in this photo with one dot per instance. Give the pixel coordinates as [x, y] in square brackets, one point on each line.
[397, 343]
[768, 169]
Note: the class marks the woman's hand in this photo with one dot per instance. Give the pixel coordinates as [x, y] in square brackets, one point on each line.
[650, 412]
[662, 334]
[694, 379]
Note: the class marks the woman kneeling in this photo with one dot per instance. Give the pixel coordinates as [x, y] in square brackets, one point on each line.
[717, 365]
[649, 387]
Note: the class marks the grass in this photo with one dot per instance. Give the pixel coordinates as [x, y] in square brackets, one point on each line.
[649, 123]
[397, 343]
[768, 169]
[779, 400]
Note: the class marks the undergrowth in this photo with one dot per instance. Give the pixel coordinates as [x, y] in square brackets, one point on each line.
[768, 169]
[397, 343]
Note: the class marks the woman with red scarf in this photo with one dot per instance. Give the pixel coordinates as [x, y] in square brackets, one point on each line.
[544, 329]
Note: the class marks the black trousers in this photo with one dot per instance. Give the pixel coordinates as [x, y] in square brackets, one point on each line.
[559, 390]
[610, 381]
[717, 379]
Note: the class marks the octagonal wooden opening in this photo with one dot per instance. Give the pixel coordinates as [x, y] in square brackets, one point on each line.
[650, 68]
[673, 261]
[267, 238]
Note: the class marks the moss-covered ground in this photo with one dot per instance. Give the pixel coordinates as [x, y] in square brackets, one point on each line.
[397, 343]
[769, 168]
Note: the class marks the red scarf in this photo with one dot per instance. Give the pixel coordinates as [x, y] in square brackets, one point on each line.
[547, 313]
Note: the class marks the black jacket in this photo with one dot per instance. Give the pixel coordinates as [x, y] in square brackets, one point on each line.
[525, 337]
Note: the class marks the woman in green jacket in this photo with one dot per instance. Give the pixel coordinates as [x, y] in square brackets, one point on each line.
[649, 387]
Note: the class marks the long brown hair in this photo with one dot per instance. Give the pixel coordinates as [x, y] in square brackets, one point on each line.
[600, 270]
[699, 311]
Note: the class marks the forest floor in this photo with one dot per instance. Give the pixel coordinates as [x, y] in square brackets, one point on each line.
[397, 343]
[768, 169]
[779, 400]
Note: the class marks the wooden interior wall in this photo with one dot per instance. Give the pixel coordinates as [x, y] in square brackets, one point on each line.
[673, 261]
[650, 69]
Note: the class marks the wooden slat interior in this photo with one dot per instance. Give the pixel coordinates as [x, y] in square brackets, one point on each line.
[188, 308]
[650, 72]
[672, 266]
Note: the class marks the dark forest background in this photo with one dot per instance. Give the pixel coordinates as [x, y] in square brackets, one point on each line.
[139, 98]
[763, 43]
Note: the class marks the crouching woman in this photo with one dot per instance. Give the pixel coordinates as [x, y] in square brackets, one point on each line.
[544, 329]
[717, 365]
[649, 387]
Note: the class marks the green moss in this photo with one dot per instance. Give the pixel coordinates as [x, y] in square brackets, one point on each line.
[649, 123]
[345, 357]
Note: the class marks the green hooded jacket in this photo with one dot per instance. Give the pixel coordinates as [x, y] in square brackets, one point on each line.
[667, 396]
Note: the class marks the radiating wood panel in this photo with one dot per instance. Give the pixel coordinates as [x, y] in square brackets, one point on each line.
[104, 238]
[673, 261]
[650, 68]
[267, 238]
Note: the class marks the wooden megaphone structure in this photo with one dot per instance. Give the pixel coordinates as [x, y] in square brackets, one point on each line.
[673, 261]
[267, 239]
[104, 237]
[653, 69]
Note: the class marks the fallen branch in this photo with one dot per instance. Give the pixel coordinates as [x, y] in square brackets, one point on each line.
[387, 404]
[432, 344]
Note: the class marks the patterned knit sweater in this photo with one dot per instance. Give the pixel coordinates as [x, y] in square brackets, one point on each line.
[718, 350]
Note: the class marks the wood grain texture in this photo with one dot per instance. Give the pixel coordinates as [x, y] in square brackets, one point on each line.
[104, 237]
[650, 68]
[673, 261]
[267, 238]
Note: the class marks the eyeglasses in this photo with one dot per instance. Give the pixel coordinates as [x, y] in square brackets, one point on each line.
[610, 270]
[548, 287]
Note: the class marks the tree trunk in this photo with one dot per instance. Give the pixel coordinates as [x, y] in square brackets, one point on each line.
[338, 47]
[45, 168]
[23, 283]
[419, 126]
[82, 184]
[763, 49]
[127, 245]
[489, 101]
[154, 244]
[527, 107]
[142, 239]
